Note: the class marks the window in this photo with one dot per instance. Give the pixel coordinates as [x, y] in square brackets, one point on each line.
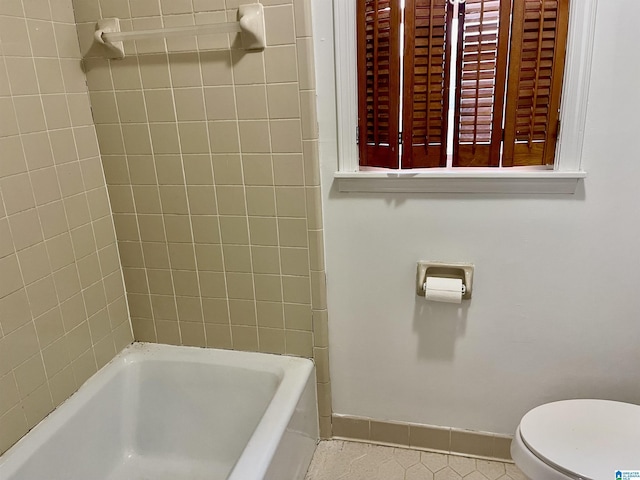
[454, 83]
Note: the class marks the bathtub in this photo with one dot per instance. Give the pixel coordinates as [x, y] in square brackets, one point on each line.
[164, 412]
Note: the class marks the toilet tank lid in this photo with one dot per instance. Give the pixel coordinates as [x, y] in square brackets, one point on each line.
[590, 439]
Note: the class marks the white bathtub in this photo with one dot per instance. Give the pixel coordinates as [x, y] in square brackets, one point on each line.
[163, 412]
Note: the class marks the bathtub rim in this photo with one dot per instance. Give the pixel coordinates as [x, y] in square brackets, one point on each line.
[256, 456]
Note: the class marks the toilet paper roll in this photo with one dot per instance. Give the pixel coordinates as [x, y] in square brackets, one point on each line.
[440, 289]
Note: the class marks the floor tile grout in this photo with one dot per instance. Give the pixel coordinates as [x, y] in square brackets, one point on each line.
[347, 460]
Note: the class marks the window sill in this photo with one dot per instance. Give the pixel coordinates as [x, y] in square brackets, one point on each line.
[461, 181]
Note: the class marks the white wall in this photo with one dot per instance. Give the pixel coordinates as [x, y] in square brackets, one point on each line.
[556, 306]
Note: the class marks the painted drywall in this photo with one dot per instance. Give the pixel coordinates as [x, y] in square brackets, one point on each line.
[555, 312]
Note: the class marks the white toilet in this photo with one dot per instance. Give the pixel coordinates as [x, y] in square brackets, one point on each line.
[578, 439]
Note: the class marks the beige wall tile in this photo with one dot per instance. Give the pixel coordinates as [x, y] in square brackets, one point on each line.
[297, 317]
[248, 68]
[218, 336]
[223, 137]
[254, 136]
[220, 103]
[283, 100]
[302, 13]
[261, 201]
[42, 307]
[286, 136]
[244, 338]
[320, 328]
[350, 427]
[207, 160]
[288, 170]
[389, 432]
[299, 343]
[281, 64]
[271, 340]
[237, 258]
[280, 27]
[251, 102]
[472, 443]
[502, 447]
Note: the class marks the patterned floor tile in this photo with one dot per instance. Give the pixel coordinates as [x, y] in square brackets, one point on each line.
[340, 460]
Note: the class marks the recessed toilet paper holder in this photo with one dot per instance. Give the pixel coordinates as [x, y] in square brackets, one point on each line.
[463, 271]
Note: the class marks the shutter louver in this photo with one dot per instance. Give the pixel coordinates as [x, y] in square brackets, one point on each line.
[483, 29]
[536, 67]
[378, 82]
[426, 79]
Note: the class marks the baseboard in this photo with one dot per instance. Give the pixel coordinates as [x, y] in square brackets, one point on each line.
[423, 437]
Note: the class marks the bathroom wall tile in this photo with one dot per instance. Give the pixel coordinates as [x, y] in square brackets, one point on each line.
[231, 200]
[244, 338]
[280, 27]
[389, 432]
[265, 259]
[299, 343]
[257, 170]
[264, 231]
[302, 13]
[218, 336]
[321, 359]
[281, 64]
[227, 169]
[17, 193]
[220, 103]
[298, 316]
[69, 195]
[215, 67]
[349, 427]
[247, 68]
[271, 340]
[291, 202]
[251, 102]
[283, 101]
[254, 136]
[204, 156]
[15, 311]
[34, 263]
[320, 328]
[472, 443]
[193, 334]
[37, 403]
[223, 137]
[502, 447]
[286, 136]
[261, 201]
[288, 170]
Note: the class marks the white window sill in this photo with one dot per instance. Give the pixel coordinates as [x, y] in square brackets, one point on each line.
[461, 181]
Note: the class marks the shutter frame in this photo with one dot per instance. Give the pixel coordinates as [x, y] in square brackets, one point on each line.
[535, 151]
[373, 152]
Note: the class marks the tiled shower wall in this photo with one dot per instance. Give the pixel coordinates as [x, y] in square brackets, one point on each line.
[63, 313]
[210, 156]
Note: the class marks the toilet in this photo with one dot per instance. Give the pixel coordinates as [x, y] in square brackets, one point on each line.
[578, 439]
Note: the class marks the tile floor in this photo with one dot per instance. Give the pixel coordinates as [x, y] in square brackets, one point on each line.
[340, 460]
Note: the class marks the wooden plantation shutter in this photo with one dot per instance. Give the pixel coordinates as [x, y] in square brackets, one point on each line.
[483, 37]
[536, 66]
[378, 82]
[517, 46]
[426, 83]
